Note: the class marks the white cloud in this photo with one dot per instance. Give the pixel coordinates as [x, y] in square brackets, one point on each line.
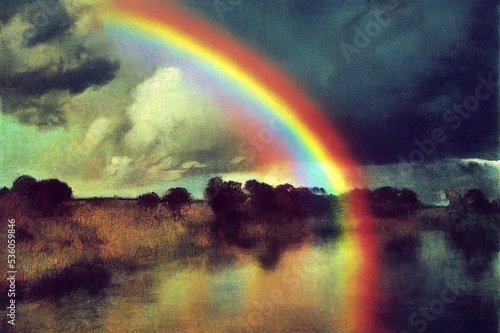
[96, 133]
[173, 130]
[119, 167]
[170, 114]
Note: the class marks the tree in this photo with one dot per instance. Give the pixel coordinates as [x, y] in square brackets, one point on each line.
[384, 194]
[475, 201]
[176, 198]
[318, 190]
[303, 202]
[285, 197]
[262, 196]
[4, 191]
[360, 198]
[321, 204]
[25, 185]
[298, 202]
[495, 206]
[148, 200]
[407, 201]
[382, 203]
[212, 190]
[226, 199]
[390, 202]
[50, 193]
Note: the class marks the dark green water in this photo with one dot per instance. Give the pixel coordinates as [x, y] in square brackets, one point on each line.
[433, 290]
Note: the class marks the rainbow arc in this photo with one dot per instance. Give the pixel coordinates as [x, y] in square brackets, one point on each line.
[316, 143]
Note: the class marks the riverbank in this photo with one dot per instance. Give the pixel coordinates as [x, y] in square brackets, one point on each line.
[89, 238]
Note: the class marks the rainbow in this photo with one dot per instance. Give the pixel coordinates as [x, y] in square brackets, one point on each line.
[277, 97]
[252, 74]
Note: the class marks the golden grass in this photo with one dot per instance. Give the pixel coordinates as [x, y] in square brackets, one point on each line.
[103, 230]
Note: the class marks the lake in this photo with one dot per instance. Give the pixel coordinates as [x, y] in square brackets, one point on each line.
[341, 285]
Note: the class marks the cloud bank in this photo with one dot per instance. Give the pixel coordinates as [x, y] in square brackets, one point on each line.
[409, 61]
[432, 179]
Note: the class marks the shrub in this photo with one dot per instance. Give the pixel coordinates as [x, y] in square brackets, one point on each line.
[148, 200]
[25, 185]
[474, 200]
[176, 198]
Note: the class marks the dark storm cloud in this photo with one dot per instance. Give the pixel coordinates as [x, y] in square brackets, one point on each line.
[385, 71]
[48, 18]
[10, 8]
[89, 73]
[432, 179]
[37, 98]
[46, 112]
[54, 61]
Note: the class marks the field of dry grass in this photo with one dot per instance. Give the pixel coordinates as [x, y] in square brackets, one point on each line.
[101, 230]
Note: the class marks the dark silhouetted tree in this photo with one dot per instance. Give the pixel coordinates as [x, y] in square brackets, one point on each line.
[262, 196]
[176, 198]
[25, 185]
[407, 201]
[4, 191]
[321, 204]
[302, 199]
[212, 190]
[318, 191]
[285, 197]
[495, 206]
[382, 202]
[475, 201]
[226, 199]
[384, 194]
[149, 200]
[50, 194]
[360, 198]
[390, 202]
[300, 202]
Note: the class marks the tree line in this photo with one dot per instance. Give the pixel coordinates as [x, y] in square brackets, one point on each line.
[237, 202]
[45, 196]
[175, 198]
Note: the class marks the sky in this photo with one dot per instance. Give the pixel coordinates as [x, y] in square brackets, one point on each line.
[410, 86]
[425, 57]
